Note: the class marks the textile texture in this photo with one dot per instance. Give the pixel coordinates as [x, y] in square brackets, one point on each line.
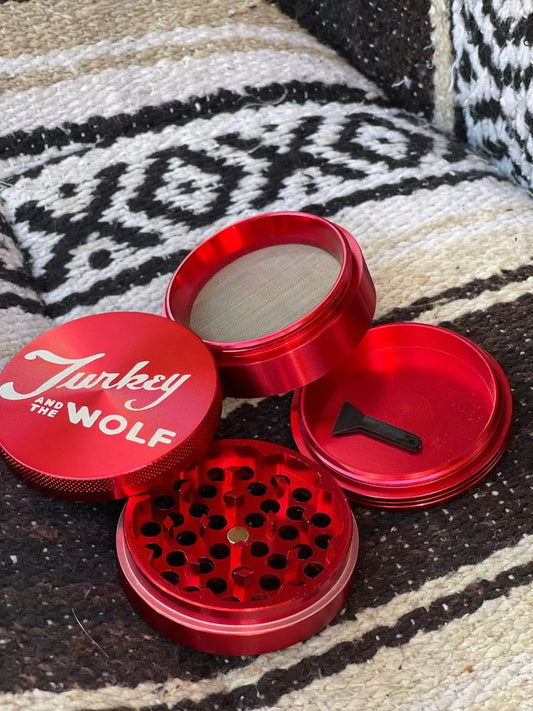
[465, 64]
[493, 55]
[132, 131]
[390, 42]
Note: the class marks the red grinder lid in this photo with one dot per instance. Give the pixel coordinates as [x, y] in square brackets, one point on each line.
[249, 551]
[102, 406]
[449, 398]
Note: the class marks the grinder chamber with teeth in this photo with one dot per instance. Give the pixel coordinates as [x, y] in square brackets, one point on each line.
[249, 551]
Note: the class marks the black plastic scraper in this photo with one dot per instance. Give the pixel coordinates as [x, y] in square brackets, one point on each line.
[351, 420]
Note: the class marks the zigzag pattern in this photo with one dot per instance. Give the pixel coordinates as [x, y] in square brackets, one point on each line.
[494, 70]
[116, 218]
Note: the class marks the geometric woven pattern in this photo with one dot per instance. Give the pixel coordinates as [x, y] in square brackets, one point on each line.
[493, 45]
[440, 58]
[93, 223]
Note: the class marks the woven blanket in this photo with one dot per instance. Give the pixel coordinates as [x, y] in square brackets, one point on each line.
[130, 132]
[465, 63]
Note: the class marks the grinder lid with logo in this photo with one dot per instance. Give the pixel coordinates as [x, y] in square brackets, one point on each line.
[103, 406]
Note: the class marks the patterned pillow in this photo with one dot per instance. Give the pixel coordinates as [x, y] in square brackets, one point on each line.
[464, 64]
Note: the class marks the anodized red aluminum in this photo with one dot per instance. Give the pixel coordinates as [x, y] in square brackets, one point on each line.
[249, 551]
[102, 406]
[303, 351]
[424, 379]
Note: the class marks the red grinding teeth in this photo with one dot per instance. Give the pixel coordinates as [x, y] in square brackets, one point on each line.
[251, 551]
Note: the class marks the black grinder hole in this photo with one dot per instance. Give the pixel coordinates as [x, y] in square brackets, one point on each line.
[150, 529]
[269, 582]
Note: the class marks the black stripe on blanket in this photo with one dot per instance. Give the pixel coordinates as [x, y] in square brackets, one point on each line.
[466, 291]
[277, 682]
[102, 131]
[9, 299]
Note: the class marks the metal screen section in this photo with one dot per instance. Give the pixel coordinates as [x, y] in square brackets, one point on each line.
[263, 292]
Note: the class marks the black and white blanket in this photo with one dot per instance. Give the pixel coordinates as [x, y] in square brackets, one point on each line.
[466, 64]
[131, 131]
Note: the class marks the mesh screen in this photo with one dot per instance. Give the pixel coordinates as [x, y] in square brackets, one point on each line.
[263, 292]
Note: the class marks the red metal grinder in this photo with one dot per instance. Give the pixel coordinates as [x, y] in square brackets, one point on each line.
[101, 407]
[416, 415]
[280, 299]
[249, 551]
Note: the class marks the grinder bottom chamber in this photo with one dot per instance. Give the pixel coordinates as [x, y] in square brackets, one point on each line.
[249, 551]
